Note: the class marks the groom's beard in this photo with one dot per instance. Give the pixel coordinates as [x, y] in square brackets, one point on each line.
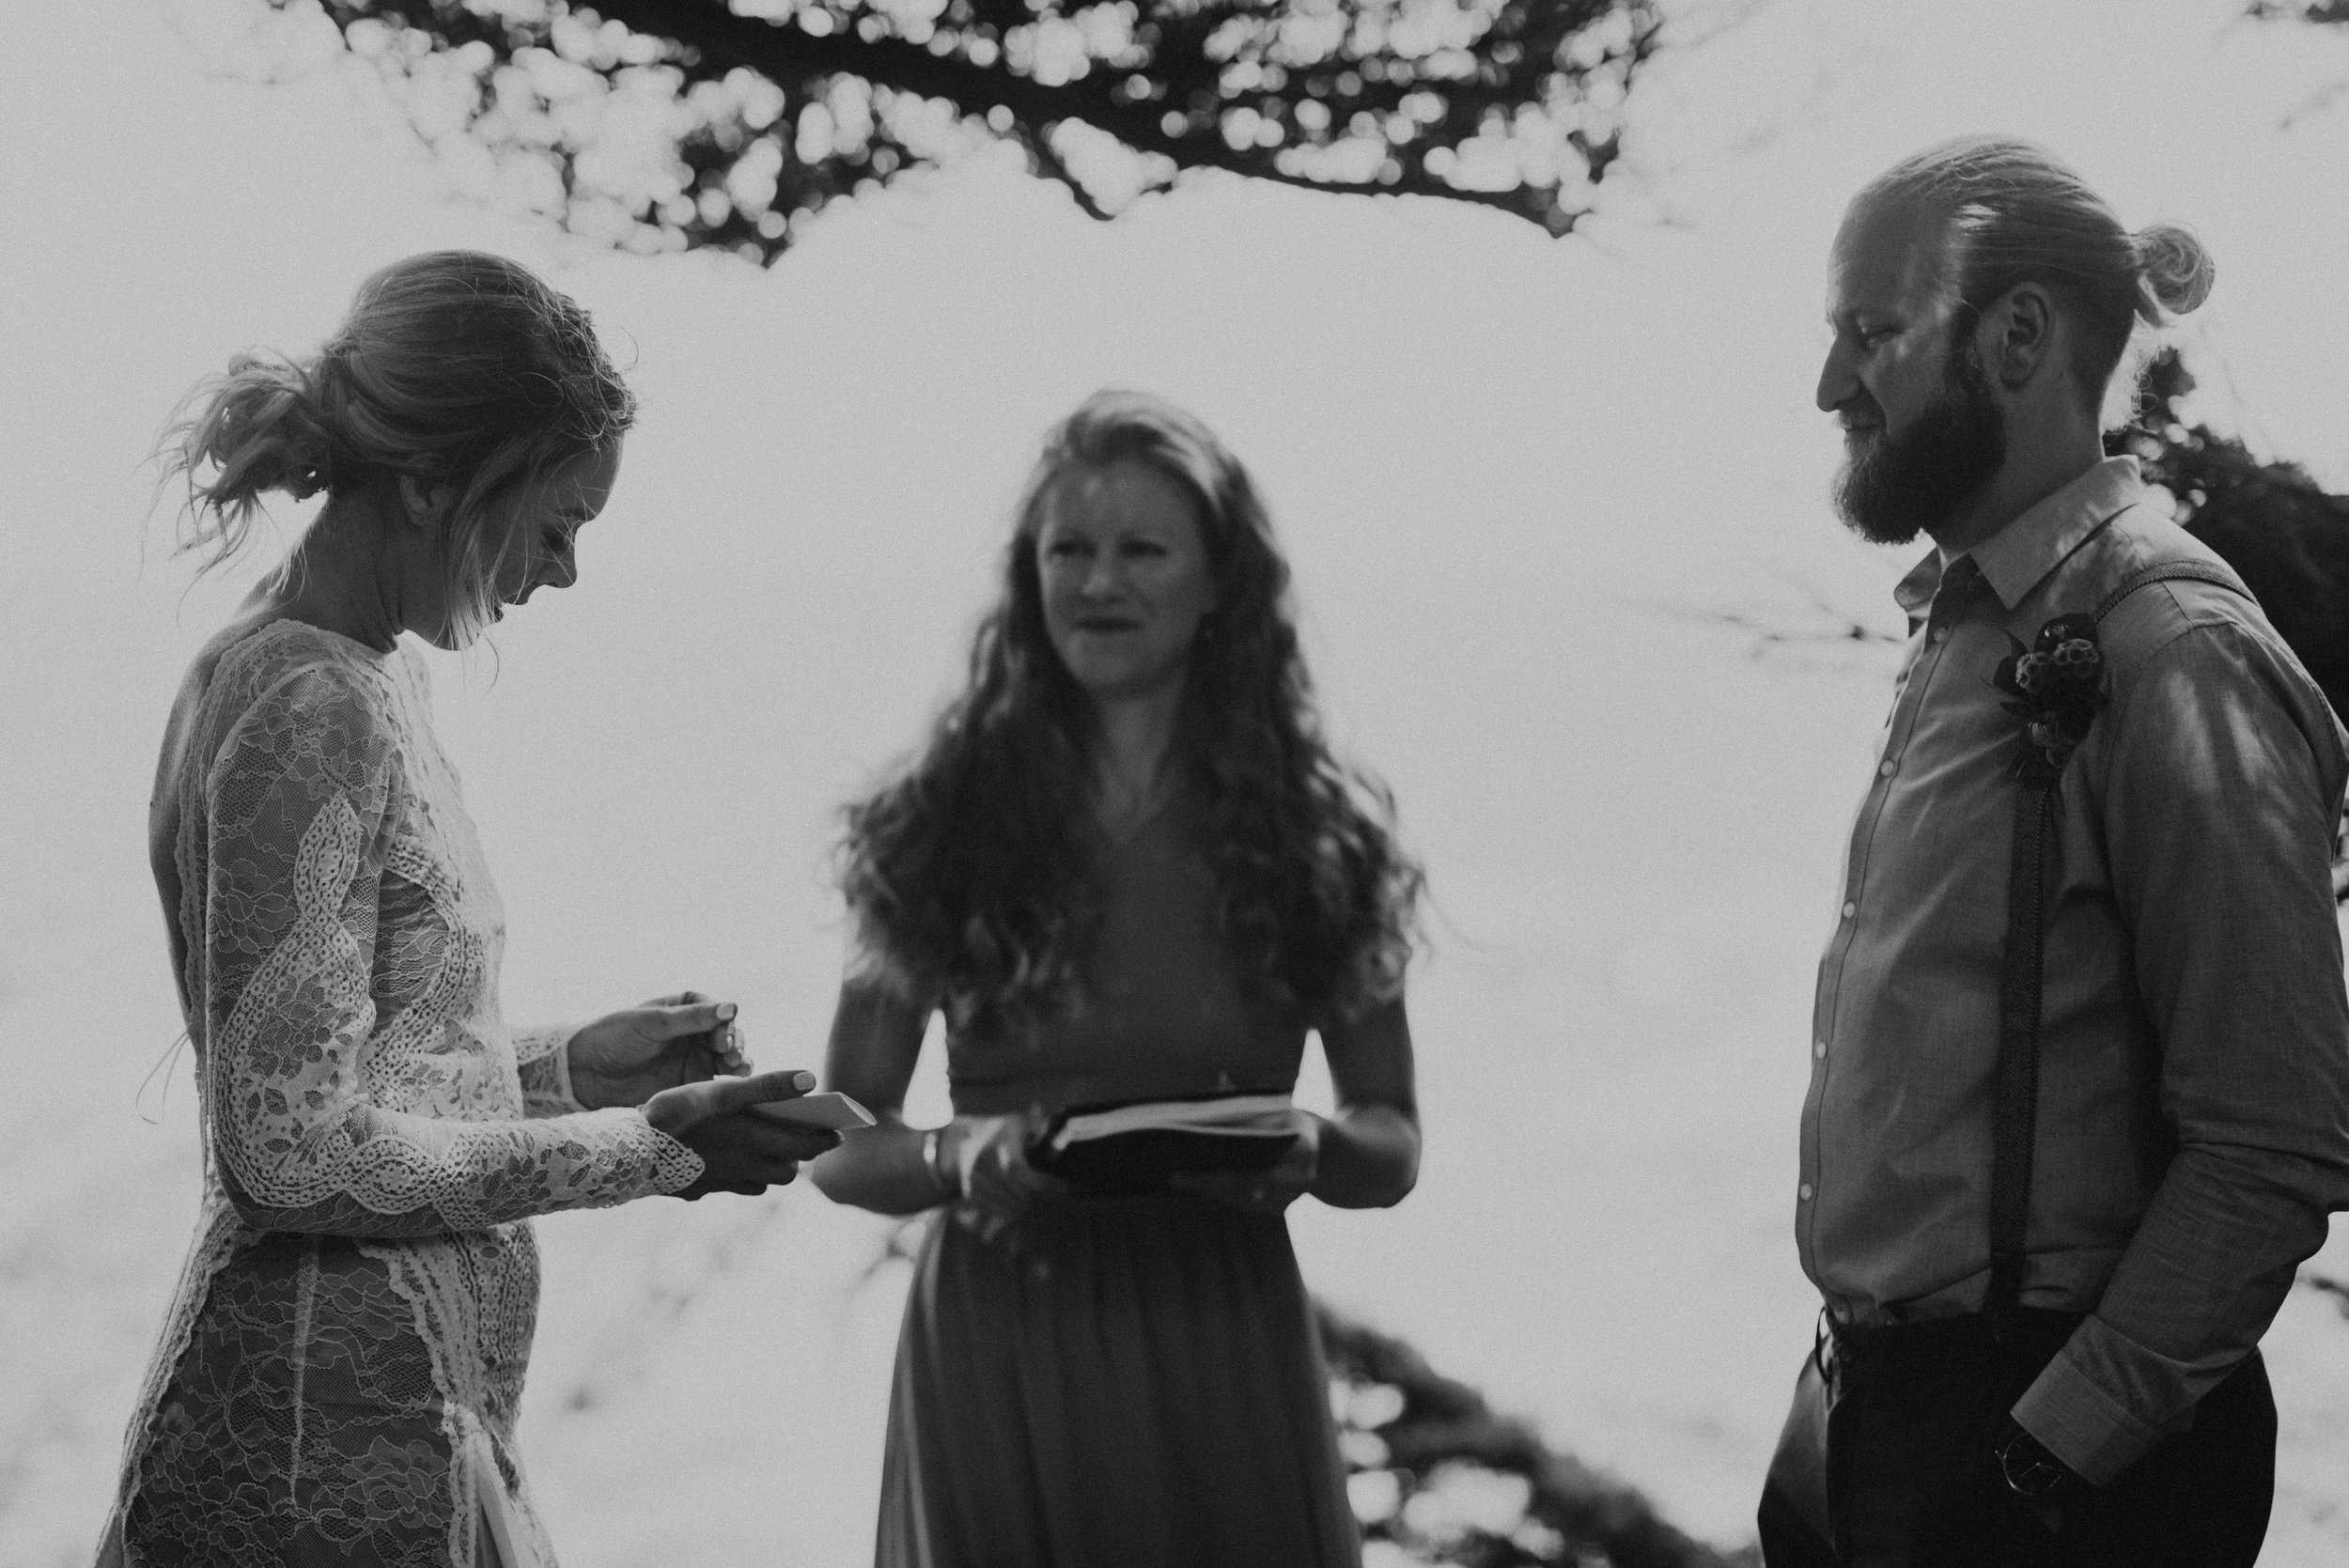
[1899, 486]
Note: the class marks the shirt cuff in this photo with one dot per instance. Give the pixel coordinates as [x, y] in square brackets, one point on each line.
[2078, 1419]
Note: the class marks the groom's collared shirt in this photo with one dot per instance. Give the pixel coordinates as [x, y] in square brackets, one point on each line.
[2193, 1125]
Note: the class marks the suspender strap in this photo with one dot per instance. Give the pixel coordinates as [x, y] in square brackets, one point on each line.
[2212, 572]
[2021, 974]
[2016, 1086]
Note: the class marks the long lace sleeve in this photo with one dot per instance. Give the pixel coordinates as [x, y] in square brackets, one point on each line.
[299, 806]
[543, 1053]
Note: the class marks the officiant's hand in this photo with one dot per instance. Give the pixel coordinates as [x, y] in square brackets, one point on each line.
[1266, 1191]
[628, 1057]
[989, 1156]
[740, 1152]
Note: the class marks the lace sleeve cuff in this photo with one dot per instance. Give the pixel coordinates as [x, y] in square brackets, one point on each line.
[543, 1055]
[675, 1167]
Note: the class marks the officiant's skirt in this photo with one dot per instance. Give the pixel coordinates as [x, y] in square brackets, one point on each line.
[1133, 1381]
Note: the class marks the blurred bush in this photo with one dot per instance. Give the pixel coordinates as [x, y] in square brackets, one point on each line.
[1437, 1478]
[2300, 10]
[2287, 537]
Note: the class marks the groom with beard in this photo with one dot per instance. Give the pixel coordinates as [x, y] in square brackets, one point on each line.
[2079, 1063]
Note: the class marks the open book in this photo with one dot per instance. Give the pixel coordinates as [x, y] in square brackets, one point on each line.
[1134, 1147]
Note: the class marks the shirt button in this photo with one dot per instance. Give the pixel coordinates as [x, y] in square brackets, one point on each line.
[1818, 1050]
[1805, 1192]
[1940, 635]
[1850, 910]
[1888, 768]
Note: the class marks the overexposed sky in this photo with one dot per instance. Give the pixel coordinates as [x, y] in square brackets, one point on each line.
[1520, 479]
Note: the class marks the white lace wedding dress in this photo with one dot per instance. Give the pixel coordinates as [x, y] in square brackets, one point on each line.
[338, 1376]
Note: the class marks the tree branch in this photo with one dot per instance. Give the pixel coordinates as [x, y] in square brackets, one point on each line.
[784, 52]
[1346, 97]
[1055, 167]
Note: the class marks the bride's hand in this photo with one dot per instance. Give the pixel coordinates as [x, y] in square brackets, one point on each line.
[989, 1158]
[1266, 1191]
[741, 1151]
[625, 1058]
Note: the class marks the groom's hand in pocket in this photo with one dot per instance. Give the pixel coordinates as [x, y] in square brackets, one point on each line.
[740, 1152]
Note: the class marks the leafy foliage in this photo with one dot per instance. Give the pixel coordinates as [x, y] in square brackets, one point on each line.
[668, 124]
[2300, 10]
[2282, 534]
[1435, 1476]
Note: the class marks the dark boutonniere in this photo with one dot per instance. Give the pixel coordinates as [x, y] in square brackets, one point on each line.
[2055, 686]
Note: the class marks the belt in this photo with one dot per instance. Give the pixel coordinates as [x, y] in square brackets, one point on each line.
[1941, 1339]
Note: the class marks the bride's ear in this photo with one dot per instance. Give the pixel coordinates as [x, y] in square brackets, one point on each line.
[424, 503]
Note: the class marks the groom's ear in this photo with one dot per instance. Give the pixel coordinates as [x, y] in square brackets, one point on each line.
[2019, 335]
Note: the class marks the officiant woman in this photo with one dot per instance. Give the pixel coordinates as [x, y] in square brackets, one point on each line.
[1124, 865]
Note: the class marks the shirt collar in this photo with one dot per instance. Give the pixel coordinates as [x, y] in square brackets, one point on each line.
[2018, 557]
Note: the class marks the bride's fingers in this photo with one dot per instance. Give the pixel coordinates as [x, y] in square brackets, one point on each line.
[741, 1093]
[674, 1111]
[702, 1016]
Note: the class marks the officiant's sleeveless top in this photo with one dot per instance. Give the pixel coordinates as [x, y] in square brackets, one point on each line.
[1162, 1013]
[1134, 1381]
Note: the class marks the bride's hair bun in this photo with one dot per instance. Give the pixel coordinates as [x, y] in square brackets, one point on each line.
[2174, 272]
[268, 429]
[255, 427]
[456, 367]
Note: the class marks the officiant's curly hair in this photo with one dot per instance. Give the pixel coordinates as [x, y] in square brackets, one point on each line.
[965, 875]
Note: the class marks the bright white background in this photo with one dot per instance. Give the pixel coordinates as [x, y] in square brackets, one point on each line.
[1520, 480]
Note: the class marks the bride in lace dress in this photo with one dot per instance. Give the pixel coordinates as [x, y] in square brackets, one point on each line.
[338, 1376]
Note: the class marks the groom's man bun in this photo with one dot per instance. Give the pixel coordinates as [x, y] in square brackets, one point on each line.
[2177, 271]
[2017, 213]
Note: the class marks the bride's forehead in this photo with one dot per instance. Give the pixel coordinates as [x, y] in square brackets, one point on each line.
[589, 475]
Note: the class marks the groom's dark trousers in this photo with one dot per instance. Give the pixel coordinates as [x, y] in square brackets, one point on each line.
[1887, 1462]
